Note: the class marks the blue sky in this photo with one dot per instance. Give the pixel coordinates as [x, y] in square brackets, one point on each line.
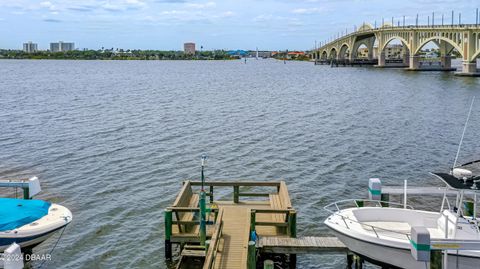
[215, 24]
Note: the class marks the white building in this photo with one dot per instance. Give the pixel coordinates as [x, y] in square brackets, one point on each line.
[62, 46]
[30, 47]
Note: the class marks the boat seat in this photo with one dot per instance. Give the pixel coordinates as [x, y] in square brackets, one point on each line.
[452, 223]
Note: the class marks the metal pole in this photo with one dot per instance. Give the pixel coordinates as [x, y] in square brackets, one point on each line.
[459, 18]
[403, 21]
[442, 19]
[416, 21]
[428, 22]
[405, 194]
[463, 133]
[383, 22]
[433, 19]
[476, 20]
[392, 22]
[452, 17]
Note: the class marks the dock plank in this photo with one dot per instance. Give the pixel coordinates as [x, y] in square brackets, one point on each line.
[307, 244]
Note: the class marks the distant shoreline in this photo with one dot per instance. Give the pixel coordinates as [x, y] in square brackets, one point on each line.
[145, 55]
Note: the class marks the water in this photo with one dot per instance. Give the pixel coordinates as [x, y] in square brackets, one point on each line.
[112, 140]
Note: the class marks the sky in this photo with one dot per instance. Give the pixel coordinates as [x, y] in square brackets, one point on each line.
[214, 24]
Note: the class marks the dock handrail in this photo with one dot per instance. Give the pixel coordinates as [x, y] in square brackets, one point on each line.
[279, 185]
[212, 250]
[373, 227]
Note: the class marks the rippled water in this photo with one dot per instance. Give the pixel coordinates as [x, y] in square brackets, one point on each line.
[112, 140]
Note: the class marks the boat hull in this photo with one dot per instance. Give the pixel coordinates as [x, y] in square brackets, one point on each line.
[27, 242]
[398, 257]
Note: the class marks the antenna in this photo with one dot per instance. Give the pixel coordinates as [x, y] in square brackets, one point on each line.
[463, 134]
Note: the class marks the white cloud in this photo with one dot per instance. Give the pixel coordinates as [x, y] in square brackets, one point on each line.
[201, 6]
[306, 11]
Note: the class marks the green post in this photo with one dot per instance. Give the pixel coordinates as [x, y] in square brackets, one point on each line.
[211, 194]
[203, 224]
[252, 220]
[207, 246]
[26, 193]
[168, 234]
[385, 198]
[436, 259]
[468, 208]
[268, 264]
[292, 224]
[236, 191]
[252, 255]
[359, 203]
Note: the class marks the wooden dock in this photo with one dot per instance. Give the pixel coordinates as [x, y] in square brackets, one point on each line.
[257, 219]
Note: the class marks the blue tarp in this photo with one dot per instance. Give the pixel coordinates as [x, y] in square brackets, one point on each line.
[15, 213]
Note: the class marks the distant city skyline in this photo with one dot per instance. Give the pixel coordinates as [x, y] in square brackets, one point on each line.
[227, 24]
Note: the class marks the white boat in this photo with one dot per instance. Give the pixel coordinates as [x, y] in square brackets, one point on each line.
[381, 231]
[29, 222]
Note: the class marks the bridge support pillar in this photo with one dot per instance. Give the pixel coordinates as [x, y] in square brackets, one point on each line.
[446, 61]
[406, 58]
[469, 69]
[414, 62]
[381, 59]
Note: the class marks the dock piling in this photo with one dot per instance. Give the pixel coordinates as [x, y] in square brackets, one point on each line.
[268, 264]
[203, 225]
[252, 220]
[292, 223]
[236, 192]
[168, 234]
[252, 255]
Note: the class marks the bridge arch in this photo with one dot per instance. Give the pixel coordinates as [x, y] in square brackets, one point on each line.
[404, 42]
[324, 55]
[333, 53]
[344, 51]
[475, 56]
[435, 39]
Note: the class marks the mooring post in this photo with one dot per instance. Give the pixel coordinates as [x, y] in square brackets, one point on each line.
[293, 261]
[435, 259]
[358, 262]
[292, 223]
[203, 224]
[252, 255]
[385, 198]
[268, 264]
[236, 191]
[349, 260]
[207, 245]
[26, 193]
[252, 220]
[211, 194]
[168, 234]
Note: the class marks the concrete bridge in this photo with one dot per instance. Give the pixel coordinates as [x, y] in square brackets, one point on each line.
[463, 38]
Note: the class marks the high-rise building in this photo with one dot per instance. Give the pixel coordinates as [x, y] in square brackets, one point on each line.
[30, 47]
[62, 46]
[189, 48]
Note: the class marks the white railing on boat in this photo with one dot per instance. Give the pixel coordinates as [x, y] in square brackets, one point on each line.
[377, 203]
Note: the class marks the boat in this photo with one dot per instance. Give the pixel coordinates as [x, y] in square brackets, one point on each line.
[381, 231]
[28, 222]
